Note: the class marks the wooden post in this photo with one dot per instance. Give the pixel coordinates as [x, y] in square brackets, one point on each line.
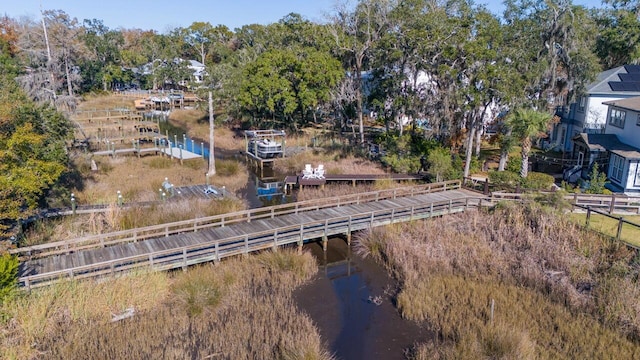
[486, 187]
[184, 259]
[612, 205]
[586, 225]
[275, 241]
[301, 241]
[325, 243]
[217, 252]
[493, 304]
[620, 223]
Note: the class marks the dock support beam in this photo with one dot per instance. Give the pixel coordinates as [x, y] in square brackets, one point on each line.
[325, 243]
[301, 241]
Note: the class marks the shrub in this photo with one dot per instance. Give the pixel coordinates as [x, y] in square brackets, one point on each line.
[8, 275]
[402, 163]
[439, 163]
[538, 181]
[597, 181]
[514, 164]
[504, 178]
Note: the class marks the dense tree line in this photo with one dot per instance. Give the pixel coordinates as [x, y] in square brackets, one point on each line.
[33, 154]
[448, 64]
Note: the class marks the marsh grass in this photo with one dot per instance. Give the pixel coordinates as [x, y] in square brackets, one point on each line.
[117, 218]
[197, 124]
[562, 292]
[331, 190]
[179, 210]
[137, 179]
[334, 162]
[239, 309]
[228, 168]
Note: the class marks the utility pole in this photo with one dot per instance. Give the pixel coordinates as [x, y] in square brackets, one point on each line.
[212, 161]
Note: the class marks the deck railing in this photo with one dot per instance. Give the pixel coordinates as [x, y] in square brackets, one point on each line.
[197, 224]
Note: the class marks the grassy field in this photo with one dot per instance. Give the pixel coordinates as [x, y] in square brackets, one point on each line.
[240, 309]
[609, 226]
[516, 283]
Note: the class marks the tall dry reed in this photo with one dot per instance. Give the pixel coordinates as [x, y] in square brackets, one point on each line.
[239, 309]
[547, 278]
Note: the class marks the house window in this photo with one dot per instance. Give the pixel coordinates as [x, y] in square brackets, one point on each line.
[583, 101]
[617, 118]
[617, 167]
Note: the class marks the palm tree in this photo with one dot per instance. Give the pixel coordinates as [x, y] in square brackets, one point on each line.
[527, 124]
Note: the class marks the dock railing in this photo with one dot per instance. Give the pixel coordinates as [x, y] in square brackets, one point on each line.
[197, 224]
[215, 250]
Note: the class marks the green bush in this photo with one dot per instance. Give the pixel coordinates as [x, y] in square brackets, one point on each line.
[514, 164]
[8, 275]
[402, 163]
[538, 181]
[597, 182]
[440, 167]
[504, 178]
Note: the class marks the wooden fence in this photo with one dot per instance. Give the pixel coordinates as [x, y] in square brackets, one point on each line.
[632, 228]
[611, 203]
[194, 225]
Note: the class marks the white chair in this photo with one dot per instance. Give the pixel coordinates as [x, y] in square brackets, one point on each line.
[319, 172]
[307, 173]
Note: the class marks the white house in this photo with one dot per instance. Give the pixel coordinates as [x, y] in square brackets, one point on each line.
[589, 114]
[617, 150]
[623, 121]
[198, 70]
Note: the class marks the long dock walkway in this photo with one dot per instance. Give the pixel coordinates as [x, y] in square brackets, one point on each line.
[173, 247]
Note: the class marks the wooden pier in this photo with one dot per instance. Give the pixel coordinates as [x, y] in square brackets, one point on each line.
[172, 152]
[185, 243]
[298, 180]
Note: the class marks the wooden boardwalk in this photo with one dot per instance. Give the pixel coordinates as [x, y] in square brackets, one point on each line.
[241, 234]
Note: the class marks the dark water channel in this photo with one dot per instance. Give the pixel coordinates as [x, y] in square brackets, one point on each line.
[351, 299]
[351, 303]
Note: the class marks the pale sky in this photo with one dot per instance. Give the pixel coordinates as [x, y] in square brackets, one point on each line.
[161, 15]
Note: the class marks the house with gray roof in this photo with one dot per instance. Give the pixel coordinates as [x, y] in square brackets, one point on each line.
[589, 114]
[618, 149]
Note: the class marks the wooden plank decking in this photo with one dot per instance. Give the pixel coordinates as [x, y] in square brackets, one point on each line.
[212, 244]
